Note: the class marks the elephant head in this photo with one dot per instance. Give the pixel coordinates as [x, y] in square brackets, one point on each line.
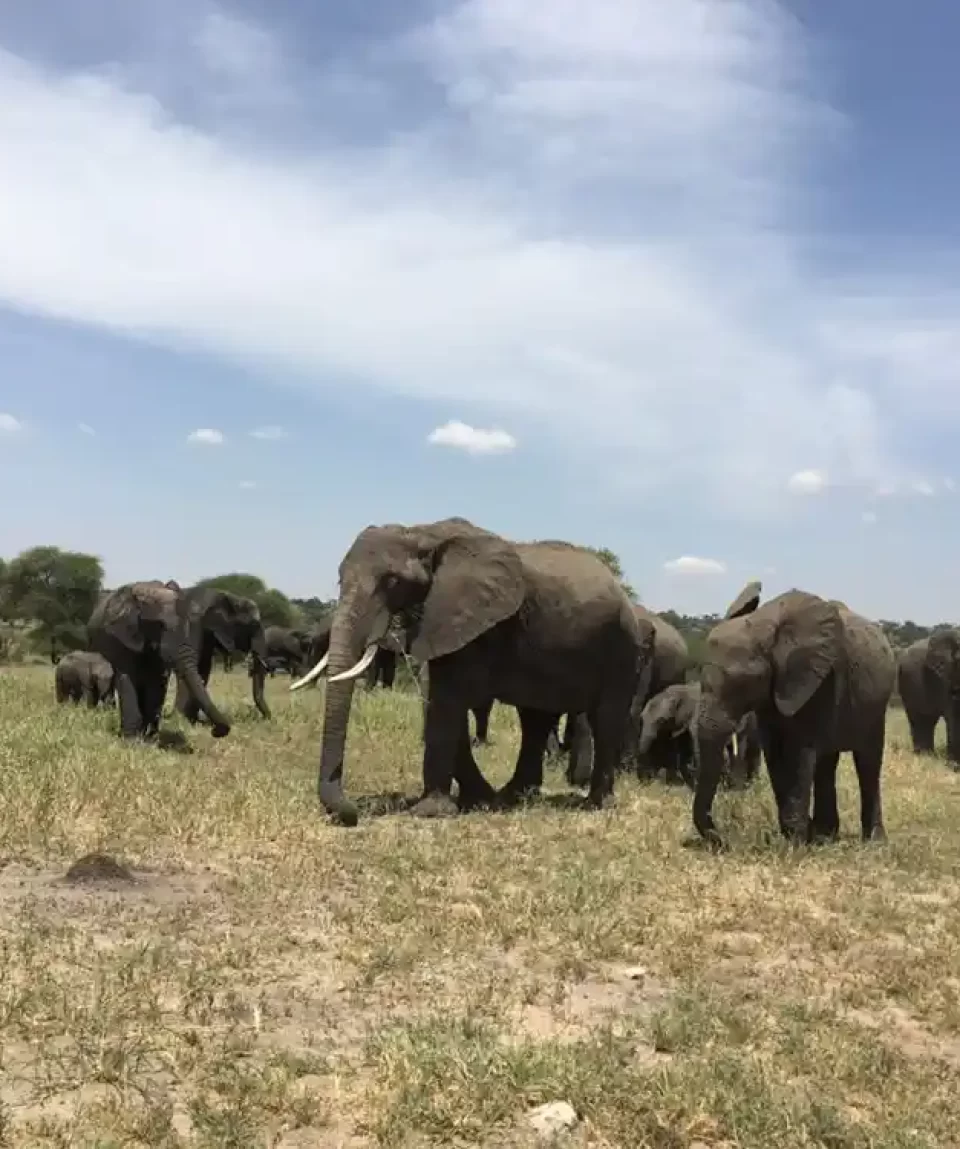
[463, 579]
[150, 618]
[219, 619]
[943, 663]
[668, 714]
[775, 656]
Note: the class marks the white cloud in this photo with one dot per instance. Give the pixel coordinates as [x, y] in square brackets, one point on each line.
[807, 482]
[922, 487]
[247, 485]
[691, 565]
[206, 435]
[869, 517]
[271, 432]
[9, 425]
[85, 429]
[473, 440]
[502, 245]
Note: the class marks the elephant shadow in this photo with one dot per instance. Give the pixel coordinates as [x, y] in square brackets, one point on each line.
[387, 802]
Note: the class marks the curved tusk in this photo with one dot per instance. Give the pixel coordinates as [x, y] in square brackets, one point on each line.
[312, 674]
[359, 668]
[736, 745]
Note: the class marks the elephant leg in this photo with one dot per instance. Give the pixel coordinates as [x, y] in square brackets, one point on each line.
[685, 758]
[481, 717]
[527, 780]
[795, 814]
[152, 693]
[91, 694]
[388, 669]
[922, 728]
[580, 762]
[868, 760]
[825, 824]
[608, 720]
[447, 755]
[131, 718]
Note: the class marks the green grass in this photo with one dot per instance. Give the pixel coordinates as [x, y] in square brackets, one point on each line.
[273, 980]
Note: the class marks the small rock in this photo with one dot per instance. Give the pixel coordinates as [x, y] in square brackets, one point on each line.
[552, 1119]
[636, 973]
[98, 868]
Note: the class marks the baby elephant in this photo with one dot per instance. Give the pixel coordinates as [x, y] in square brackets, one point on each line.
[85, 674]
[666, 728]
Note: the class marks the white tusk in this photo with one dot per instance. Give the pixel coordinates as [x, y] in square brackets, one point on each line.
[312, 674]
[361, 666]
[736, 744]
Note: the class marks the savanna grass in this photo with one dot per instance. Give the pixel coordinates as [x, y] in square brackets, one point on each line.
[274, 980]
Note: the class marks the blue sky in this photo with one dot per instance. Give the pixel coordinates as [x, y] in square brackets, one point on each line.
[679, 279]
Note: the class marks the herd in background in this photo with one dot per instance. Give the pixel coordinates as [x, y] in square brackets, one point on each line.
[547, 628]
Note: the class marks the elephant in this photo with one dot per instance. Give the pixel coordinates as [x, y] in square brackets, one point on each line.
[545, 627]
[229, 623]
[668, 720]
[382, 669]
[143, 629]
[819, 678]
[84, 674]
[287, 648]
[928, 681]
[671, 660]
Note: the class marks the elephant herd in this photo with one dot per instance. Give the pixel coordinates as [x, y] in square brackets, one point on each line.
[545, 627]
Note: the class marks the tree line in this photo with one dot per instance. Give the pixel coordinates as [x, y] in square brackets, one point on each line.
[47, 595]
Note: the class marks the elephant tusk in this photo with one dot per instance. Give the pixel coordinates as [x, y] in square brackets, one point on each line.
[359, 668]
[736, 745]
[312, 674]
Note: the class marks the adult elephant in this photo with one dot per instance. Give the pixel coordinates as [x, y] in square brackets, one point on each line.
[819, 678]
[220, 621]
[84, 674]
[545, 627]
[667, 733]
[928, 681]
[143, 629]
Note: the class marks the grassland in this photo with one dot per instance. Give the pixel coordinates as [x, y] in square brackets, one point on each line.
[273, 980]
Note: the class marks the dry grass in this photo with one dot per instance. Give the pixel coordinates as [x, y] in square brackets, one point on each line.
[272, 980]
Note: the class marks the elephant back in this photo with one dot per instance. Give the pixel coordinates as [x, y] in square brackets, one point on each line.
[671, 656]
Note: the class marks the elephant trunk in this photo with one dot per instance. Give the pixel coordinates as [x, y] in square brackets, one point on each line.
[711, 729]
[186, 667]
[356, 624]
[258, 672]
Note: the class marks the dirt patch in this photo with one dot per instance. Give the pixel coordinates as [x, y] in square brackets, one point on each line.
[895, 1026]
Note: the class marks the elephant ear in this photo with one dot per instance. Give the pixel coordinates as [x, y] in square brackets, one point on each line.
[225, 614]
[943, 650]
[477, 582]
[807, 646]
[121, 619]
[746, 601]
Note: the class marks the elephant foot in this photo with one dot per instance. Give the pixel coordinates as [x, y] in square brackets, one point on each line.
[435, 805]
[594, 801]
[711, 842]
[219, 731]
[509, 797]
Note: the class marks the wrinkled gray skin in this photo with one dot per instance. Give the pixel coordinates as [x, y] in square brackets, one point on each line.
[144, 631]
[288, 648]
[481, 714]
[928, 681]
[819, 678]
[671, 659]
[669, 718]
[544, 627]
[220, 621]
[84, 674]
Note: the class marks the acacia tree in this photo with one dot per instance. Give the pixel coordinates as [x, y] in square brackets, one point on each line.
[611, 560]
[58, 590]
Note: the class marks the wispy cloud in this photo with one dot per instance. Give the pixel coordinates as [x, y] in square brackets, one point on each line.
[206, 436]
[247, 485]
[691, 565]
[85, 429]
[473, 440]
[9, 425]
[269, 433]
[556, 243]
